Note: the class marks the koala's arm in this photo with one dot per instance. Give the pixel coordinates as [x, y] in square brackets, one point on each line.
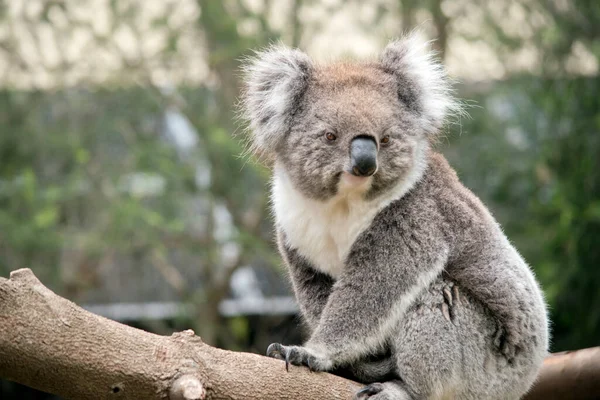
[311, 287]
[386, 269]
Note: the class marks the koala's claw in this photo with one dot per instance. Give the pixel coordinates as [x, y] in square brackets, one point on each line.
[448, 295]
[368, 391]
[296, 355]
[277, 350]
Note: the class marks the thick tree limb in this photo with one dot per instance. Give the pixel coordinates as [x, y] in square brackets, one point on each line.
[569, 375]
[51, 344]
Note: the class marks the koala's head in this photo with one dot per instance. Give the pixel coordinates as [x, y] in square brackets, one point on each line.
[346, 125]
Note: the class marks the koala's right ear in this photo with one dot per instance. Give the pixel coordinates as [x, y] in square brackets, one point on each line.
[275, 80]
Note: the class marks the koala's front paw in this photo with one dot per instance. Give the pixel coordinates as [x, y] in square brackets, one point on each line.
[298, 355]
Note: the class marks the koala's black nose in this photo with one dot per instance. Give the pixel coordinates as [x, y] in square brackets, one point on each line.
[363, 155]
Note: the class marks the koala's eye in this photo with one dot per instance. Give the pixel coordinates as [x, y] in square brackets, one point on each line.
[330, 136]
[385, 140]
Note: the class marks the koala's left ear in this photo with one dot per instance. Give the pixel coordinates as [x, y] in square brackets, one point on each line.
[275, 81]
[423, 85]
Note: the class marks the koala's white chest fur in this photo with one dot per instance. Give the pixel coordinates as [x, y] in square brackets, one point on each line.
[321, 231]
[324, 231]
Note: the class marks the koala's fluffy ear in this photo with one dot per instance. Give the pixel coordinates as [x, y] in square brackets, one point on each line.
[422, 81]
[275, 81]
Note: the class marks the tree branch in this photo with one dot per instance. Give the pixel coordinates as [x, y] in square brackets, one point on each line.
[569, 375]
[51, 344]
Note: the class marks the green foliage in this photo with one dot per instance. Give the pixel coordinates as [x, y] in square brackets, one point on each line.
[565, 204]
[68, 163]
[532, 152]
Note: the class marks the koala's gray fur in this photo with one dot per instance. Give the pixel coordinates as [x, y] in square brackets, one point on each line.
[404, 278]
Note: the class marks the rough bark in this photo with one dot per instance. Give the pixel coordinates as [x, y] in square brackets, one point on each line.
[51, 344]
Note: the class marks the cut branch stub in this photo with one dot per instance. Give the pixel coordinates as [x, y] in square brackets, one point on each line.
[187, 387]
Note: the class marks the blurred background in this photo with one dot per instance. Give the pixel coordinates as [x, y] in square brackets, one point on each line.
[123, 188]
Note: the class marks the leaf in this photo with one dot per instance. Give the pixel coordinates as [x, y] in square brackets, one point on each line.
[46, 218]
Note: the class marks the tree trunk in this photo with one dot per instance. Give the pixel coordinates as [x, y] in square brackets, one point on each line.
[51, 344]
[440, 21]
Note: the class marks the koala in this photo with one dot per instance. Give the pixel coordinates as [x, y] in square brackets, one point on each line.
[405, 280]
